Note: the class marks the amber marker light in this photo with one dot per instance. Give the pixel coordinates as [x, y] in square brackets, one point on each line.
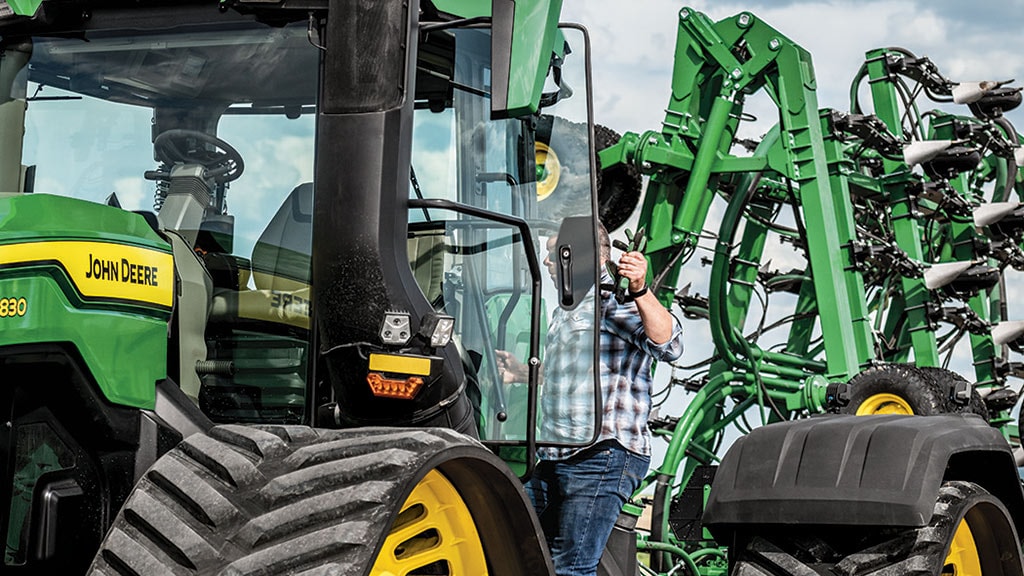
[394, 388]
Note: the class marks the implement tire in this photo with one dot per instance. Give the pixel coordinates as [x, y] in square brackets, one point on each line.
[948, 380]
[563, 150]
[618, 190]
[970, 533]
[895, 389]
[294, 500]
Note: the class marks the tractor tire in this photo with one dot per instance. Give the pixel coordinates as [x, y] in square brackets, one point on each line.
[895, 389]
[947, 380]
[294, 500]
[620, 186]
[970, 533]
[563, 148]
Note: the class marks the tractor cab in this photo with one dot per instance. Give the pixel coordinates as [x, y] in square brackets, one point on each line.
[241, 245]
[206, 131]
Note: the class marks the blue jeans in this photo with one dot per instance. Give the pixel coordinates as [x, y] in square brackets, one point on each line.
[579, 499]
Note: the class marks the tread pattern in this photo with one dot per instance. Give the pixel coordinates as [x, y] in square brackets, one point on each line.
[913, 552]
[946, 379]
[618, 187]
[249, 501]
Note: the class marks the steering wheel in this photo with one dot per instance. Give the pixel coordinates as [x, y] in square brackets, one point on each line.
[223, 163]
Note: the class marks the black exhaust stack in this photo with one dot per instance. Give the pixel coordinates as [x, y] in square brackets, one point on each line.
[360, 266]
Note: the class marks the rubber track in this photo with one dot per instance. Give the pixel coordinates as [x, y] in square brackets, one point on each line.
[252, 501]
[915, 552]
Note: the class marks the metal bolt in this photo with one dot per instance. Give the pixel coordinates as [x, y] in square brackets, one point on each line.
[534, 361]
[645, 165]
[774, 44]
[652, 140]
[736, 73]
[387, 333]
[684, 14]
[744, 20]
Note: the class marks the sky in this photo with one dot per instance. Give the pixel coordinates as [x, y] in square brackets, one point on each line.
[632, 50]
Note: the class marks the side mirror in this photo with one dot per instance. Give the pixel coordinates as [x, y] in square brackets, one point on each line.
[522, 34]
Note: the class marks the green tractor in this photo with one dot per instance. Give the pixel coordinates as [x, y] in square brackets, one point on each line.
[255, 260]
[257, 257]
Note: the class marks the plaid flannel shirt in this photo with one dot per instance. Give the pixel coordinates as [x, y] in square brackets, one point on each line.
[626, 367]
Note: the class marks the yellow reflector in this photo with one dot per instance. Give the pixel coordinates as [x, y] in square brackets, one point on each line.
[395, 364]
[387, 388]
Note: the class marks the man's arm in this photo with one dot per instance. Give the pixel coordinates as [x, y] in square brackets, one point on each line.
[658, 323]
[511, 369]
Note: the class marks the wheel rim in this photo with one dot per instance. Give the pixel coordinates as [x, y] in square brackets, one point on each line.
[963, 558]
[549, 169]
[884, 404]
[434, 528]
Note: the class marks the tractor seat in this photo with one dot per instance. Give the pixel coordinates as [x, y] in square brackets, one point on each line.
[281, 257]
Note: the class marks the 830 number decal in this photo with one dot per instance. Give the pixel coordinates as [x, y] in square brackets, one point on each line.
[13, 307]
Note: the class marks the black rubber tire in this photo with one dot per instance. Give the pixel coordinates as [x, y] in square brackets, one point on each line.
[881, 551]
[295, 500]
[571, 144]
[620, 186]
[921, 393]
[947, 380]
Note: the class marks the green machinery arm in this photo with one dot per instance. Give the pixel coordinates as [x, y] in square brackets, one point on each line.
[861, 219]
[824, 164]
[689, 162]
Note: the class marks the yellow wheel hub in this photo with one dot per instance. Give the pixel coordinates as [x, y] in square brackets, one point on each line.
[884, 404]
[435, 529]
[549, 169]
[963, 557]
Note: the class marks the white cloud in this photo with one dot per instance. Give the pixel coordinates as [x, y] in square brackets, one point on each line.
[278, 156]
[134, 193]
[297, 154]
[48, 185]
[435, 173]
[634, 49]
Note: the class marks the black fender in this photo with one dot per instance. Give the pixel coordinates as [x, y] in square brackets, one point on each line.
[857, 470]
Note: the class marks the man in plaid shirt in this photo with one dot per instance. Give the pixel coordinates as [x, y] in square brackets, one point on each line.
[579, 492]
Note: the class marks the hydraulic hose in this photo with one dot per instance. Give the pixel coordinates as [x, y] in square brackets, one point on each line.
[716, 389]
[1011, 165]
[723, 334]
